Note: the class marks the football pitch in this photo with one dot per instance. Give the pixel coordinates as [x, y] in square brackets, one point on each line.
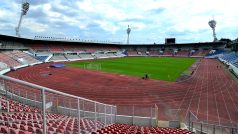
[159, 68]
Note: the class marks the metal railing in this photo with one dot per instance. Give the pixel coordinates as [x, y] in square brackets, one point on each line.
[201, 127]
[53, 107]
[193, 123]
[208, 128]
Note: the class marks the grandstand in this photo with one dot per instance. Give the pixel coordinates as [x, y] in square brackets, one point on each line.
[85, 101]
[231, 58]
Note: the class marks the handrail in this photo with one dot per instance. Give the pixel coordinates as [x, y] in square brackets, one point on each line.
[48, 89]
[211, 124]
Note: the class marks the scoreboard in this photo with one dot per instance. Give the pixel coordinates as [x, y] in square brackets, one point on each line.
[170, 40]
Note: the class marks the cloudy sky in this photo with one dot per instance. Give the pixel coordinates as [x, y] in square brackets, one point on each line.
[107, 20]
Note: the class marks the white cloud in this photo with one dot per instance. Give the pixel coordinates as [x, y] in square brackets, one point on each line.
[35, 26]
[136, 26]
[107, 26]
[150, 20]
[2, 13]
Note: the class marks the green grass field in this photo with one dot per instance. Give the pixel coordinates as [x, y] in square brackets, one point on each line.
[164, 68]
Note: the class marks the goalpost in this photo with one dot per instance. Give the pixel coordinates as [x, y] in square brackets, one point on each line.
[93, 66]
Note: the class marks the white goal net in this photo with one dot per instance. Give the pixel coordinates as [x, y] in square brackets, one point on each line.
[93, 66]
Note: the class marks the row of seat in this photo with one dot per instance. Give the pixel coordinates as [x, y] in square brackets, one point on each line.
[168, 53]
[200, 53]
[83, 56]
[8, 61]
[69, 47]
[15, 106]
[16, 58]
[215, 52]
[56, 123]
[130, 129]
[21, 57]
[231, 58]
[183, 53]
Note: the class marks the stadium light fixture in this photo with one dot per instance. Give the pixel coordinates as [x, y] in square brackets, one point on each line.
[128, 31]
[24, 10]
[212, 23]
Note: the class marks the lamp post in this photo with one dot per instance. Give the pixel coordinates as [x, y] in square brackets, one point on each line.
[212, 24]
[24, 10]
[128, 31]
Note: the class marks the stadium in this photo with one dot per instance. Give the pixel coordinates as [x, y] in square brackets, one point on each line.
[59, 85]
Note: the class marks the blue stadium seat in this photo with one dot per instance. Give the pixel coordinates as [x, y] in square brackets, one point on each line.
[41, 58]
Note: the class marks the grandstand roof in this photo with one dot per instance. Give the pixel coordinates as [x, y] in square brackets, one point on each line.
[26, 40]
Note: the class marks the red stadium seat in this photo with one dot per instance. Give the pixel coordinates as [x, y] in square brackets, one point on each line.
[39, 131]
[32, 129]
[13, 131]
[4, 130]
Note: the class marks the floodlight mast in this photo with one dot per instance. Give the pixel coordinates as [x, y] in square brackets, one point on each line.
[24, 10]
[212, 23]
[128, 31]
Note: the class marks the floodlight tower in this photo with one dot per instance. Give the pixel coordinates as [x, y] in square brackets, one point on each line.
[212, 23]
[25, 8]
[128, 31]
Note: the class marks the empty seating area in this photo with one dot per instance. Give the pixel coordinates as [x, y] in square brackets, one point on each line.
[23, 119]
[42, 52]
[130, 129]
[180, 53]
[55, 48]
[31, 122]
[25, 123]
[168, 53]
[100, 55]
[72, 52]
[22, 57]
[132, 53]
[143, 53]
[3, 66]
[73, 47]
[215, 52]
[154, 52]
[111, 55]
[15, 59]
[13, 106]
[231, 58]
[200, 53]
[119, 55]
[82, 56]
[183, 53]
[236, 64]
[8, 60]
[38, 47]
[58, 57]
[86, 56]
[72, 57]
[41, 58]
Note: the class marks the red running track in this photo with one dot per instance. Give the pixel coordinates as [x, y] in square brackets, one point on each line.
[211, 93]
